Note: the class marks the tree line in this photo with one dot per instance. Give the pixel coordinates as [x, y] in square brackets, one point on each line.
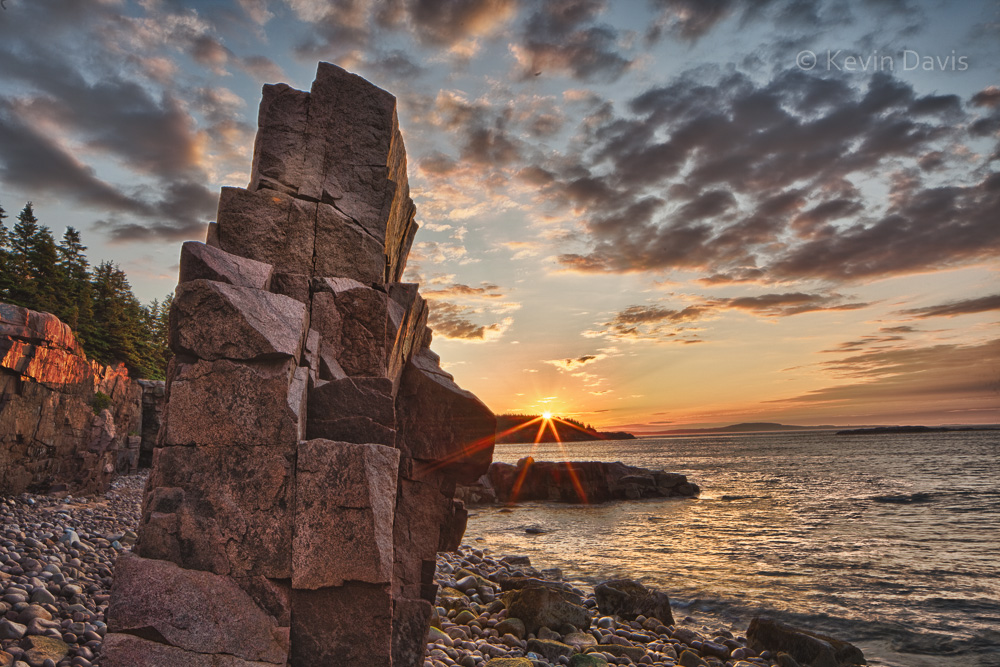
[97, 302]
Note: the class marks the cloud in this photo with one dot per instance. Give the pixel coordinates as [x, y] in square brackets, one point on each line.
[663, 324]
[987, 97]
[574, 364]
[486, 291]
[744, 181]
[924, 376]
[454, 322]
[955, 308]
[562, 36]
[108, 94]
[339, 27]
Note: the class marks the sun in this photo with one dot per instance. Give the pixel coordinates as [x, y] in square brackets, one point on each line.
[546, 415]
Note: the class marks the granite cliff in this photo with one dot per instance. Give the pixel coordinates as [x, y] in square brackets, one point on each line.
[311, 444]
[66, 422]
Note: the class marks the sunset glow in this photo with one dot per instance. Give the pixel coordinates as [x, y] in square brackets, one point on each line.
[643, 216]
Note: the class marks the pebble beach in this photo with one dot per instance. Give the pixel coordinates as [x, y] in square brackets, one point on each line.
[56, 566]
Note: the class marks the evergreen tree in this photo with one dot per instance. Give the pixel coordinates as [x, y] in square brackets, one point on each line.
[6, 280]
[98, 304]
[22, 240]
[76, 308]
[160, 335]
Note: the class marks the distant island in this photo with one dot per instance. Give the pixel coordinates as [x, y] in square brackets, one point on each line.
[880, 430]
[746, 427]
[517, 429]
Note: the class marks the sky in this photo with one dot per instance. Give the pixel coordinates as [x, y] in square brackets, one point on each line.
[645, 215]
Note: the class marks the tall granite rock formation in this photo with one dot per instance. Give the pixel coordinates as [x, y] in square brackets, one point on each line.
[64, 420]
[311, 443]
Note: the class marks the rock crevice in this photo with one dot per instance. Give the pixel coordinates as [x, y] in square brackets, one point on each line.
[311, 443]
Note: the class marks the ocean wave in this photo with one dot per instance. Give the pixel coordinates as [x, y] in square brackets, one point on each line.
[904, 499]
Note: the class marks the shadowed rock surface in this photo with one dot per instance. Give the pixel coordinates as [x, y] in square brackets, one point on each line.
[573, 482]
[311, 444]
[65, 421]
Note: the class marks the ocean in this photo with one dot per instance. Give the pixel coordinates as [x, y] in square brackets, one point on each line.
[891, 542]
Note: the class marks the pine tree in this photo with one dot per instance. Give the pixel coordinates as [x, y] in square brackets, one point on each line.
[22, 240]
[6, 280]
[76, 308]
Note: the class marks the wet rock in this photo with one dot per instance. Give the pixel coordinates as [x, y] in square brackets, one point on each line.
[628, 599]
[808, 648]
[537, 607]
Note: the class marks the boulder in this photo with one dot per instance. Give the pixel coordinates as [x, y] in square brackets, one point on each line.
[38, 649]
[348, 250]
[407, 320]
[550, 649]
[224, 403]
[410, 624]
[227, 510]
[356, 483]
[191, 610]
[808, 648]
[352, 320]
[346, 625]
[538, 607]
[574, 482]
[280, 149]
[441, 423]
[211, 320]
[294, 285]
[352, 409]
[628, 599]
[203, 262]
[121, 650]
[269, 227]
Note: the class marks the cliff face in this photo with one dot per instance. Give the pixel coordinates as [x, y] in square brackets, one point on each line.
[51, 436]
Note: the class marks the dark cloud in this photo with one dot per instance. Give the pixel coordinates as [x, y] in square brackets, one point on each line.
[654, 322]
[262, 69]
[487, 291]
[455, 322]
[445, 22]
[90, 95]
[987, 97]
[718, 173]
[954, 308]
[563, 36]
[37, 164]
[931, 375]
[344, 26]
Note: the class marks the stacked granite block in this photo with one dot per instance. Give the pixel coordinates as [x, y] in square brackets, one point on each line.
[311, 444]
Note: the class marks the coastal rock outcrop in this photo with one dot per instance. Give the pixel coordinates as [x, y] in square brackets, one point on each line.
[808, 649]
[311, 443]
[573, 482]
[629, 599]
[66, 422]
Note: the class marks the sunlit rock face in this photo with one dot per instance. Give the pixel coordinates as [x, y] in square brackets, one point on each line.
[311, 443]
[65, 421]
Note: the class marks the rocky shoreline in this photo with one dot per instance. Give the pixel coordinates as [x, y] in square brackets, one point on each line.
[57, 558]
